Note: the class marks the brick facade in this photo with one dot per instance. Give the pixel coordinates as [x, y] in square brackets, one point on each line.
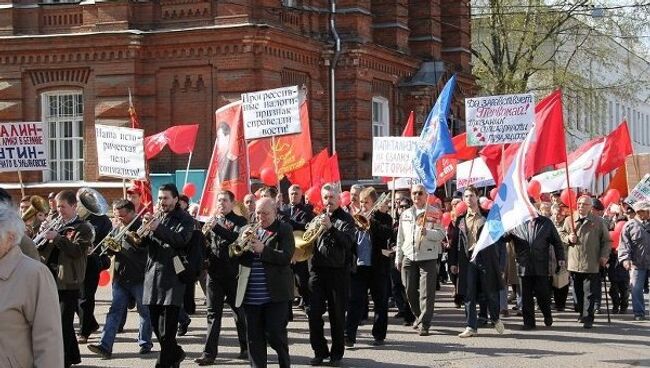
[183, 59]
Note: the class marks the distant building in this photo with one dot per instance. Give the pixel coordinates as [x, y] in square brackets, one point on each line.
[71, 63]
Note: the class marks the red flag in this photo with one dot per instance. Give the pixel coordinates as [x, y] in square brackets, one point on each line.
[618, 146]
[316, 173]
[292, 151]
[143, 186]
[445, 169]
[154, 144]
[409, 129]
[619, 181]
[334, 168]
[228, 168]
[463, 151]
[549, 146]
[491, 154]
[181, 138]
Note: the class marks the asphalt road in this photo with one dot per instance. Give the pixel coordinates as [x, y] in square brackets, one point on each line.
[622, 343]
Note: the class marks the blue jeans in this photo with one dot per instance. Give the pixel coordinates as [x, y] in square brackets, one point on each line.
[117, 311]
[637, 279]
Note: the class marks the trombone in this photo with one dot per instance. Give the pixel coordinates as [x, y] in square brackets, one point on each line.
[114, 243]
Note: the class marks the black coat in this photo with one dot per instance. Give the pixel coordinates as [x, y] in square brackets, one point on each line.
[130, 262]
[488, 260]
[220, 265]
[381, 232]
[333, 249]
[298, 216]
[532, 241]
[276, 259]
[161, 284]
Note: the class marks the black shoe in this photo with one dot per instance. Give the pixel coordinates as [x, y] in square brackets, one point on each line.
[99, 350]
[598, 310]
[182, 329]
[377, 342]
[408, 323]
[398, 315]
[317, 360]
[580, 319]
[623, 310]
[615, 310]
[202, 361]
[335, 363]
[348, 342]
[145, 350]
[559, 309]
[639, 318]
[548, 321]
[243, 354]
[527, 327]
[588, 324]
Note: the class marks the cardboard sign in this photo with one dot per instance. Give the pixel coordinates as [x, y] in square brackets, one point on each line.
[480, 174]
[393, 156]
[22, 147]
[120, 152]
[641, 192]
[271, 112]
[636, 166]
[499, 119]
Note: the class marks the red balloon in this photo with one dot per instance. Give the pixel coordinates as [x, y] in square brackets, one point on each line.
[189, 189]
[268, 176]
[104, 278]
[569, 197]
[493, 193]
[345, 198]
[461, 208]
[619, 227]
[616, 238]
[534, 189]
[432, 200]
[445, 219]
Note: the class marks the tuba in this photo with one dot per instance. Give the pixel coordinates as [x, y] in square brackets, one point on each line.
[37, 204]
[90, 201]
[243, 241]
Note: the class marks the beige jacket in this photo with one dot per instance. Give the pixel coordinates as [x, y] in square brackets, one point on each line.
[594, 242]
[409, 242]
[30, 321]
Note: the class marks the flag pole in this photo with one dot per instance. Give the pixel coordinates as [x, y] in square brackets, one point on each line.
[123, 188]
[275, 162]
[392, 199]
[22, 185]
[187, 169]
[568, 186]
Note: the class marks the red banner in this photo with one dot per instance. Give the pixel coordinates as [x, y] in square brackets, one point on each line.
[228, 167]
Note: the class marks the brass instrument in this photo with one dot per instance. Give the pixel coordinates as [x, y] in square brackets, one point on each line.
[56, 225]
[362, 219]
[90, 201]
[143, 231]
[114, 243]
[37, 204]
[243, 243]
[313, 230]
[210, 224]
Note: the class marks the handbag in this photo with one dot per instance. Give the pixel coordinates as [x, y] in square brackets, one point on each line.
[561, 278]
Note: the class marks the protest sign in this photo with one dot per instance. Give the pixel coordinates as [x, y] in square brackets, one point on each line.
[641, 191]
[22, 147]
[480, 174]
[636, 166]
[271, 113]
[403, 183]
[499, 119]
[393, 156]
[120, 152]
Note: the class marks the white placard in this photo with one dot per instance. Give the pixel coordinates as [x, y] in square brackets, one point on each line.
[272, 112]
[393, 156]
[481, 175]
[499, 119]
[403, 183]
[641, 191]
[22, 147]
[120, 152]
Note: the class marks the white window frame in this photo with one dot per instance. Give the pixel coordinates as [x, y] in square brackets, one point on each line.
[381, 124]
[74, 124]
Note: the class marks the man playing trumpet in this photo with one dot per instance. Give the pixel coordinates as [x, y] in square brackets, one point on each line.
[221, 284]
[265, 284]
[128, 280]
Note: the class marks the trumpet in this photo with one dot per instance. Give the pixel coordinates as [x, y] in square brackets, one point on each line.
[209, 225]
[144, 230]
[243, 243]
[40, 240]
[114, 243]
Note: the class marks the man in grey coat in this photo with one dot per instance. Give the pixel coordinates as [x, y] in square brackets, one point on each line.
[634, 254]
[170, 231]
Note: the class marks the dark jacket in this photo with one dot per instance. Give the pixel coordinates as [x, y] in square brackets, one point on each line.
[102, 225]
[489, 261]
[334, 248]
[161, 284]
[381, 232]
[220, 265]
[297, 215]
[66, 254]
[532, 241]
[130, 262]
[635, 244]
[276, 259]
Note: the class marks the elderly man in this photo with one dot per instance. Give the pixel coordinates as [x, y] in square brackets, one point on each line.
[634, 253]
[419, 243]
[560, 294]
[26, 244]
[265, 285]
[31, 328]
[589, 248]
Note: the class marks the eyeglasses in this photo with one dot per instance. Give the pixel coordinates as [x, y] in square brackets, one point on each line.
[417, 193]
[403, 207]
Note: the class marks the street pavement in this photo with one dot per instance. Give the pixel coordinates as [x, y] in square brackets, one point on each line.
[623, 343]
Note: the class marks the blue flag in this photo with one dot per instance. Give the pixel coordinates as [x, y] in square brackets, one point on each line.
[435, 140]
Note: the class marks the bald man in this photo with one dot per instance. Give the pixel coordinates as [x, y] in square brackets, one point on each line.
[265, 285]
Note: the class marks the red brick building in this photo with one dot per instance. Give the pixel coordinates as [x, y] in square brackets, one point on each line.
[70, 65]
